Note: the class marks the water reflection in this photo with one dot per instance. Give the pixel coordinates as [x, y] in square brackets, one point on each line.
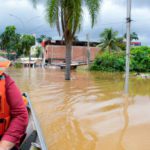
[89, 112]
[126, 122]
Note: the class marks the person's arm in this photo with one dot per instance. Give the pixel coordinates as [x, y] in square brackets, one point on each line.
[6, 145]
[19, 116]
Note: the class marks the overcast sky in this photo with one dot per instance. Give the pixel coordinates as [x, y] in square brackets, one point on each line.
[112, 14]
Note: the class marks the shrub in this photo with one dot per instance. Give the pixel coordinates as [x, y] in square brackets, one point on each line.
[140, 59]
[18, 65]
[115, 61]
[109, 62]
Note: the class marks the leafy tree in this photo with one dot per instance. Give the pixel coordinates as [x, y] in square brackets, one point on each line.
[7, 36]
[121, 44]
[27, 41]
[38, 51]
[18, 45]
[109, 40]
[8, 39]
[42, 37]
[134, 36]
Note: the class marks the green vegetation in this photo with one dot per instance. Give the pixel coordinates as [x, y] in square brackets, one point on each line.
[27, 41]
[112, 57]
[109, 40]
[18, 65]
[106, 61]
[133, 35]
[140, 59]
[36, 51]
[42, 38]
[14, 43]
[115, 61]
[9, 40]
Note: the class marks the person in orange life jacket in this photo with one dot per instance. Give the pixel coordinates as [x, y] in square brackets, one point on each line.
[13, 112]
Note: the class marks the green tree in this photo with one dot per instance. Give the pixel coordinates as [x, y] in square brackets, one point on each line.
[27, 41]
[18, 45]
[121, 44]
[9, 39]
[67, 15]
[43, 37]
[134, 36]
[108, 40]
[38, 51]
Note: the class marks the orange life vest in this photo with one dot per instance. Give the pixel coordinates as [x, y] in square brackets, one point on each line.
[4, 107]
[4, 63]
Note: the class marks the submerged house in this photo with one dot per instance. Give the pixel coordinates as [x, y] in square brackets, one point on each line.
[55, 51]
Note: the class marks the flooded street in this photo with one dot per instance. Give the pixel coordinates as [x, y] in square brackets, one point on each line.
[89, 112]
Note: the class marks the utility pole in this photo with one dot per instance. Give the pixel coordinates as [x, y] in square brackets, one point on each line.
[128, 44]
[88, 50]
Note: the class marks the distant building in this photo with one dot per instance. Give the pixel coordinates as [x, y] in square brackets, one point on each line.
[55, 51]
[136, 44]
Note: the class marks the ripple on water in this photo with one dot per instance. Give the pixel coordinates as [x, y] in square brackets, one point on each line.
[89, 112]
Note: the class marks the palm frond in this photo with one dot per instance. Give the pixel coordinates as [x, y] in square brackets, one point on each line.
[73, 14]
[109, 39]
[93, 7]
[52, 11]
[67, 14]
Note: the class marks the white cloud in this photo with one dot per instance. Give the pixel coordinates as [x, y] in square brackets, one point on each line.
[112, 14]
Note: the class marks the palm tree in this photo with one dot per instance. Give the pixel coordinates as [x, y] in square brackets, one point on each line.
[67, 15]
[109, 40]
[133, 35]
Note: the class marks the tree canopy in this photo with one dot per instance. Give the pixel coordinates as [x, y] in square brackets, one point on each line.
[109, 40]
[10, 40]
[27, 41]
[133, 36]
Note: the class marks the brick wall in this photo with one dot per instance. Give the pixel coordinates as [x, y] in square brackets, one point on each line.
[79, 53]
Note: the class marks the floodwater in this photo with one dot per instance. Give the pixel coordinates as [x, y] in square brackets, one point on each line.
[89, 112]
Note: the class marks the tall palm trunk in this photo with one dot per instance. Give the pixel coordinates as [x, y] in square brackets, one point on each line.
[68, 59]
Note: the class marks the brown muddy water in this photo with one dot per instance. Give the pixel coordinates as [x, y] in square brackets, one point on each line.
[89, 112]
